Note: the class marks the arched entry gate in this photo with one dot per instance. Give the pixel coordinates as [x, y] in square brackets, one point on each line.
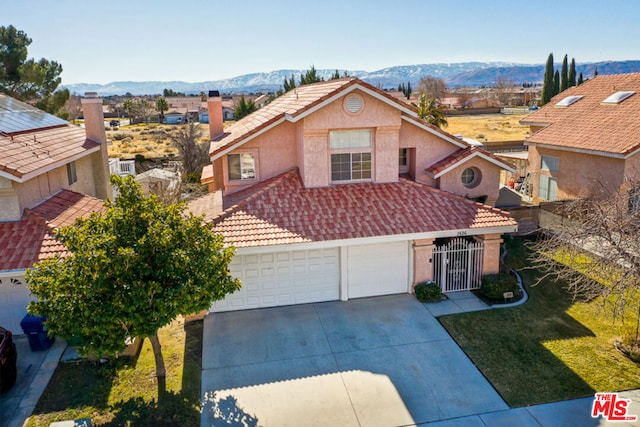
[457, 265]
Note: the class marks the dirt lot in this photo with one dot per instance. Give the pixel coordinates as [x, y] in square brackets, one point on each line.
[488, 127]
[151, 140]
[154, 140]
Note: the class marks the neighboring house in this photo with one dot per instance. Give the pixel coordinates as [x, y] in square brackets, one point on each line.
[586, 140]
[175, 116]
[337, 190]
[51, 173]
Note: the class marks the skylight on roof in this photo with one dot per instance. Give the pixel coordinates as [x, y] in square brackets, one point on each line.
[568, 101]
[618, 97]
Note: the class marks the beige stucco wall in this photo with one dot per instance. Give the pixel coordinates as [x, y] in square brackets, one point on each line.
[579, 175]
[34, 191]
[491, 253]
[422, 260]
[488, 185]
[9, 203]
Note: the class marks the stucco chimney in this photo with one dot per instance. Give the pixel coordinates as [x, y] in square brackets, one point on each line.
[214, 106]
[94, 129]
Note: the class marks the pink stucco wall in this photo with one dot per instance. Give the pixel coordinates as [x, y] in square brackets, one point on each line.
[488, 185]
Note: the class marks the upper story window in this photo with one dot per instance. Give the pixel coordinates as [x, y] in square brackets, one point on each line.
[241, 166]
[471, 177]
[551, 164]
[351, 154]
[72, 175]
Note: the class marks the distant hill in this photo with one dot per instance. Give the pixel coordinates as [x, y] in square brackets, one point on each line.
[455, 74]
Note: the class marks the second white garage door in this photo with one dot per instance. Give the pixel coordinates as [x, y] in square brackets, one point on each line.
[284, 278]
[379, 269]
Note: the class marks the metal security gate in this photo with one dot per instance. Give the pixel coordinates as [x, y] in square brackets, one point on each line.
[457, 265]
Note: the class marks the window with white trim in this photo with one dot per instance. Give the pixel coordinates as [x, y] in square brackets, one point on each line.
[551, 164]
[548, 188]
[241, 166]
[351, 155]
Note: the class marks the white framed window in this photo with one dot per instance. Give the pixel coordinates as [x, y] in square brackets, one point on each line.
[241, 166]
[72, 175]
[351, 155]
[551, 164]
[471, 177]
[548, 188]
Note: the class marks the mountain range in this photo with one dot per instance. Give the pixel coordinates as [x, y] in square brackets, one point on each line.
[469, 74]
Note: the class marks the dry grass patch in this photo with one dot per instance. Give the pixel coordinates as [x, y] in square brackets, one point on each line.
[152, 140]
[488, 127]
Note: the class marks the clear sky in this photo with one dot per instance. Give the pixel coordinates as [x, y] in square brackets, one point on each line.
[201, 40]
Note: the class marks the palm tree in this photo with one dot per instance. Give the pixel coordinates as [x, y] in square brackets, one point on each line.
[162, 106]
[431, 111]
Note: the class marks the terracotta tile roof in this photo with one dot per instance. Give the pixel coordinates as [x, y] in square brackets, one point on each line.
[461, 156]
[31, 239]
[35, 151]
[588, 124]
[281, 211]
[292, 104]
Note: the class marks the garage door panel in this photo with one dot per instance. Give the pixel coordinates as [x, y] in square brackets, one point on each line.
[379, 269]
[283, 278]
[15, 297]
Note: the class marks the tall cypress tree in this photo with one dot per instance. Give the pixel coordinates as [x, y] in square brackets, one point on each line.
[580, 79]
[547, 87]
[572, 73]
[564, 75]
[556, 84]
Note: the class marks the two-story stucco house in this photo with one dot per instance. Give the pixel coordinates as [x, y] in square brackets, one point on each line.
[337, 190]
[51, 173]
[586, 141]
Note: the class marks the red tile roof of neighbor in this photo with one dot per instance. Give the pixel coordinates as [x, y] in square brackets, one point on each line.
[282, 211]
[589, 124]
[297, 102]
[39, 149]
[31, 239]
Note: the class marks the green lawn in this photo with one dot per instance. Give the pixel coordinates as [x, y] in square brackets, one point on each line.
[548, 349]
[123, 394]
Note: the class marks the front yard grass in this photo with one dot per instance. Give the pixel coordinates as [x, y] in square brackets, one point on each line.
[126, 394]
[550, 348]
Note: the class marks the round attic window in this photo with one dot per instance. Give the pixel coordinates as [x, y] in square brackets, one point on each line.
[471, 177]
[353, 104]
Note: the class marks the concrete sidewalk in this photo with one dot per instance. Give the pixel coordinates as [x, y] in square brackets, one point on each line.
[35, 369]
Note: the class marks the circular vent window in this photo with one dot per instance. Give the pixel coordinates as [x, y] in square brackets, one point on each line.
[353, 104]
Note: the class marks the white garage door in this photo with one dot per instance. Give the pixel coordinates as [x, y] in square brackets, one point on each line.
[284, 278]
[14, 298]
[379, 269]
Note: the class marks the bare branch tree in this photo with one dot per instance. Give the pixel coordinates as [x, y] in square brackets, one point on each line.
[594, 247]
[432, 87]
[504, 90]
[188, 139]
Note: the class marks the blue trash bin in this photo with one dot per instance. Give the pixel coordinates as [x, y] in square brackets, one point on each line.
[33, 327]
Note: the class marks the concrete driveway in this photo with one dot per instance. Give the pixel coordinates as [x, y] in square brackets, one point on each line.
[374, 361]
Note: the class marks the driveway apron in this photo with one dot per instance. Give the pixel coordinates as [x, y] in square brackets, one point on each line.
[381, 361]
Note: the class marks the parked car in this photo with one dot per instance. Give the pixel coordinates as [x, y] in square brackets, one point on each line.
[8, 360]
[114, 123]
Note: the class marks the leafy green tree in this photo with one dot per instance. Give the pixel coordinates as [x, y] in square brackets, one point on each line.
[22, 78]
[580, 79]
[547, 87]
[162, 105]
[564, 75]
[431, 111]
[409, 91]
[244, 108]
[572, 73]
[55, 103]
[336, 75]
[131, 270]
